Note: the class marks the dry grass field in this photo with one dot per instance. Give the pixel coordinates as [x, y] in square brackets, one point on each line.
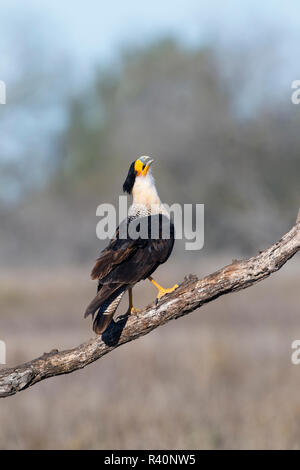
[219, 378]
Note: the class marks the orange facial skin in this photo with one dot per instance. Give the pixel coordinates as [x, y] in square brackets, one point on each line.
[141, 168]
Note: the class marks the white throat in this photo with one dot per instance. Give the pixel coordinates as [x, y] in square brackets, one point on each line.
[145, 197]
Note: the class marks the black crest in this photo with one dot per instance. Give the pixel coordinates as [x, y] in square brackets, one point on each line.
[129, 182]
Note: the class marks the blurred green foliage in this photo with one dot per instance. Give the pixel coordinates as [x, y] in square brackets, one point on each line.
[179, 106]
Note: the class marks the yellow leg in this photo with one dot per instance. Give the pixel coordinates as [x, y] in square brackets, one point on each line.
[131, 310]
[161, 290]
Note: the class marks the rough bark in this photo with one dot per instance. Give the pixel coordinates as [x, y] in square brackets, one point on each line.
[189, 296]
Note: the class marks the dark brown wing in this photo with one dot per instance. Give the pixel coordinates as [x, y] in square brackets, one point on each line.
[127, 261]
[115, 253]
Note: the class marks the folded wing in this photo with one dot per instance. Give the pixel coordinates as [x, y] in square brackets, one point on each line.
[124, 262]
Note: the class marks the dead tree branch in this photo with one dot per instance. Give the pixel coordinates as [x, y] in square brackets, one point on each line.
[189, 296]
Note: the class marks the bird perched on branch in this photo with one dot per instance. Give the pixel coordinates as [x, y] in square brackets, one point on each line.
[141, 243]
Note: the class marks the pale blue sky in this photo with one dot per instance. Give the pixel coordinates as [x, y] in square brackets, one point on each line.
[91, 31]
[82, 34]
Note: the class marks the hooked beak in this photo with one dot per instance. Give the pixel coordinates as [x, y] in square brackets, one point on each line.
[145, 163]
[148, 161]
[142, 165]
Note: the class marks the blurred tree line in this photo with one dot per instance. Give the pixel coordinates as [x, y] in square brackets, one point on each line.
[179, 106]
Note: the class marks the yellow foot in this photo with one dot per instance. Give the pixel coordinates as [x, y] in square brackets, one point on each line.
[162, 291]
[132, 311]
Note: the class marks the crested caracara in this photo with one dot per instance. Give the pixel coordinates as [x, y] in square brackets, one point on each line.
[148, 242]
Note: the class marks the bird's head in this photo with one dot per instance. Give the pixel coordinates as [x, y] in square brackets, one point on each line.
[138, 169]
